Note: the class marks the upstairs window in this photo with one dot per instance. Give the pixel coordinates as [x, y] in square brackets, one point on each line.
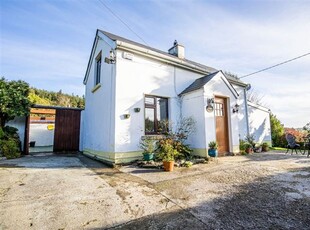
[98, 69]
[156, 115]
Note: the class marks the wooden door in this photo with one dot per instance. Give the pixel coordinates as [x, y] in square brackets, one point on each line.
[67, 130]
[221, 116]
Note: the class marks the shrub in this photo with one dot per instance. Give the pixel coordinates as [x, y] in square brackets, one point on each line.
[10, 148]
[265, 146]
[148, 145]
[242, 146]
[166, 150]
[213, 145]
[251, 140]
[9, 142]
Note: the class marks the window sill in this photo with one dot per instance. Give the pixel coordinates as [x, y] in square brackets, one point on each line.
[153, 136]
[96, 88]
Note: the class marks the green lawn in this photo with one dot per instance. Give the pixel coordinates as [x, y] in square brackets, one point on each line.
[278, 148]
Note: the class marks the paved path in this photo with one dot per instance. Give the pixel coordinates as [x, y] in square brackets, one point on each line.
[73, 192]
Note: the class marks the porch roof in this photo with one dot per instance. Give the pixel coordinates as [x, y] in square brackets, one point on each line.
[200, 82]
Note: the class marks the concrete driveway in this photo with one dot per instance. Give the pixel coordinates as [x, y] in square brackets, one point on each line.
[267, 190]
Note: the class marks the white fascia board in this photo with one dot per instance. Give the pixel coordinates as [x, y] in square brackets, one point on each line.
[258, 107]
[161, 57]
[230, 87]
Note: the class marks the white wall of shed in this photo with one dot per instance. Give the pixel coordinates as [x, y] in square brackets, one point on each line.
[19, 123]
[259, 123]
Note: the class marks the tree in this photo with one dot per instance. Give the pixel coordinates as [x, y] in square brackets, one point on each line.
[13, 100]
[255, 97]
[307, 127]
[277, 130]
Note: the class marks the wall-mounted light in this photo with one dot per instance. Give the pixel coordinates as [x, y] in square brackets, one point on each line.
[137, 110]
[235, 108]
[111, 59]
[126, 116]
[209, 107]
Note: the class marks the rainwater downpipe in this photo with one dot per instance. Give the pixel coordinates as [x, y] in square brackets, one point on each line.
[248, 87]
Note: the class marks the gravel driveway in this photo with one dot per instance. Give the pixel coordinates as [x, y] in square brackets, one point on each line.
[261, 191]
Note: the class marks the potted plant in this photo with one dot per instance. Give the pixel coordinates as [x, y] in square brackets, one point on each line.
[212, 151]
[265, 147]
[251, 140]
[148, 146]
[258, 149]
[248, 148]
[167, 153]
[242, 146]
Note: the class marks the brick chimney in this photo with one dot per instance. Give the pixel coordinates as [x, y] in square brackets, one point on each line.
[177, 50]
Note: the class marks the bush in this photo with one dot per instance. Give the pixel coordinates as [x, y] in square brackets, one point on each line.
[9, 142]
[251, 140]
[242, 146]
[166, 150]
[10, 148]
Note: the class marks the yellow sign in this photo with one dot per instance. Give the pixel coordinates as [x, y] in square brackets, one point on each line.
[51, 127]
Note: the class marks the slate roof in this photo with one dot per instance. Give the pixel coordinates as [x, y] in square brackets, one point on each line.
[199, 83]
[118, 38]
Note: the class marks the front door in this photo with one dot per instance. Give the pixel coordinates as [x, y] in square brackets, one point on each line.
[221, 116]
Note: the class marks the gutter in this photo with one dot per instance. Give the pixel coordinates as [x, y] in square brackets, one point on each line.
[161, 57]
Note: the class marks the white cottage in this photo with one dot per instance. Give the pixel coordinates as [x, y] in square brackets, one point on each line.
[131, 88]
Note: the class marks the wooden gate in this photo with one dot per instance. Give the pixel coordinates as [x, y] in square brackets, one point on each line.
[221, 125]
[67, 130]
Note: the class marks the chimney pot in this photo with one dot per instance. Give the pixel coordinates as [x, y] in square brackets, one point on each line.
[177, 50]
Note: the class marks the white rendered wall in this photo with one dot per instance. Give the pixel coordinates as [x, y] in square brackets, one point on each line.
[259, 123]
[98, 116]
[134, 79]
[242, 117]
[19, 123]
[41, 135]
[193, 105]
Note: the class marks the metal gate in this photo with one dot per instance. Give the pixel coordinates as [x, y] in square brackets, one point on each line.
[67, 130]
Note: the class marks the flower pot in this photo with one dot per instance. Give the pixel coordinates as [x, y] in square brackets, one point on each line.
[148, 156]
[212, 152]
[249, 150]
[168, 165]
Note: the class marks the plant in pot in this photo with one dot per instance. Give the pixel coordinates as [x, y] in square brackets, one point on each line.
[242, 146]
[148, 146]
[248, 148]
[212, 151]
[251, 140]
[167, 153]
[265, 147]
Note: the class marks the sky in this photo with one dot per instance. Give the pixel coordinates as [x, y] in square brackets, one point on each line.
[48, 43]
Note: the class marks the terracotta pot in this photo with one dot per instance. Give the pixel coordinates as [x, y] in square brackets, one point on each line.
[249, 150]
[168, 165]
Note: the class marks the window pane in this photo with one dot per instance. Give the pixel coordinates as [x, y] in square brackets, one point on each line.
[98, 70]
[149, 100]
[149, 120]
[162, 114]
[219, 109]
